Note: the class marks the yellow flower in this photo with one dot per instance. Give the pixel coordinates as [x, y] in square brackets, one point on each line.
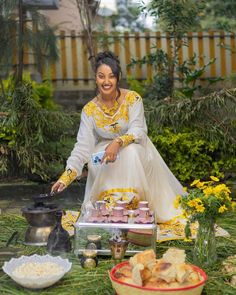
[208, 191]
[192, 203]
[205, 198]
[199, 201]
[222, 209]
[195, 182]
[185, 189]
[200, 208]
[214, 178]
[177, 201]
[200, 185]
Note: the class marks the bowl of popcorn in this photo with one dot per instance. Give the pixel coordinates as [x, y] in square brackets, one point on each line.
[37, 271]
[143, 274]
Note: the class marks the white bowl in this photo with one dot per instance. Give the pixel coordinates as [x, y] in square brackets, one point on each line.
[39, 282]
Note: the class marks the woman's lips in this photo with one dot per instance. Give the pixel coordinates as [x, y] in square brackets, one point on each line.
[106, 87]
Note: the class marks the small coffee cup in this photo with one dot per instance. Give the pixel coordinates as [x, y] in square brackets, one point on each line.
[143, 204]
[144, 212]
[118, 211]
[122, 204]
[100, 205]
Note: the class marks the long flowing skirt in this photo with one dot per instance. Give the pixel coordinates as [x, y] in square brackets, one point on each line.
[139, 170]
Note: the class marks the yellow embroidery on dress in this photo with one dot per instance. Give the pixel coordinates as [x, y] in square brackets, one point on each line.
[115, 128]
[132, 97]
[127, 139]
[68, 177]
[106, 121]
[110, 111]
[111, 196]
[117, 190]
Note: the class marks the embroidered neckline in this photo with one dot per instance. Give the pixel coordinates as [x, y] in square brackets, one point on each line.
[109, 111]
[112, 111]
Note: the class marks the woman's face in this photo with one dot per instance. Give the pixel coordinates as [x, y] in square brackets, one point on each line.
[106, 80]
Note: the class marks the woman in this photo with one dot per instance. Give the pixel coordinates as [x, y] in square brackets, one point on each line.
[131, 168]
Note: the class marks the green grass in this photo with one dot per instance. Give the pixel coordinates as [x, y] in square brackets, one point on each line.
[96, 281]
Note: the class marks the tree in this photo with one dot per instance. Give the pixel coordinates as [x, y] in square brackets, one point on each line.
[87, 11]
[175, 17]
[18, 32]
[219, 15]
[128, 17]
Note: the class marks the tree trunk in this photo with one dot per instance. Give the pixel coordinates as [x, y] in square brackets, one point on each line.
[87, 17]
[20, 43]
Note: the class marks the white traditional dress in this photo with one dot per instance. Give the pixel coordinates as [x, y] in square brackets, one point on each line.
[138, 172]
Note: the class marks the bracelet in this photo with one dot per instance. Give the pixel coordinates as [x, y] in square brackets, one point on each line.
[119, 140]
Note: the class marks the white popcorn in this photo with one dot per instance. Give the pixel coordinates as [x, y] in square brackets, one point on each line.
[37, 270]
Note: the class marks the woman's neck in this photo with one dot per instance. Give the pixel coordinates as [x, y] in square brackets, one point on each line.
[109, 98]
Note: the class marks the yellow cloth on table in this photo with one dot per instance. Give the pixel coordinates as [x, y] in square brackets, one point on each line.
[69, 219]
[174, 230]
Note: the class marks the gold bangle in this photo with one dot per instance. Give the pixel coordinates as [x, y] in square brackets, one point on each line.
[119, 140]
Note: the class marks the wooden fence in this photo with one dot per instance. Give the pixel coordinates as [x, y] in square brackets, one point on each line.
[73, 71]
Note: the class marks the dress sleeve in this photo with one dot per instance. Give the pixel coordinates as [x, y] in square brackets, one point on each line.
[137, 127]
[81, 152]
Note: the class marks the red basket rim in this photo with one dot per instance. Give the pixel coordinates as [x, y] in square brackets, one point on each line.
[199, 270]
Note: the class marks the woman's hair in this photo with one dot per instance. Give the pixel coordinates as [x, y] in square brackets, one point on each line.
[108, 58]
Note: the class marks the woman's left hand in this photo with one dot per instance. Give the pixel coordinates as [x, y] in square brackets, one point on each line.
[111, 152]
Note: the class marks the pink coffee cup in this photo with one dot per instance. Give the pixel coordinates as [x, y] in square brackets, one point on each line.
[144, 212]
[100, 205]
[118, 211]
[143, 204]
[122, 204]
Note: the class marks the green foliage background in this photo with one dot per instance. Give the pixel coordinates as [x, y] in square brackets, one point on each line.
[35, 137]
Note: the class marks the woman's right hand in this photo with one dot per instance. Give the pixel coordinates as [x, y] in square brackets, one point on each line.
[58, 187]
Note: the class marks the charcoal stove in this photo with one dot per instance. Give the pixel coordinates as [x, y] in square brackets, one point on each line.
[41, 218]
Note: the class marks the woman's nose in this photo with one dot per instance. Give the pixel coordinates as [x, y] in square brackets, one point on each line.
[107, 79]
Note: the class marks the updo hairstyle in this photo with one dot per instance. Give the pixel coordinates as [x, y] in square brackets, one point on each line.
[108, 58]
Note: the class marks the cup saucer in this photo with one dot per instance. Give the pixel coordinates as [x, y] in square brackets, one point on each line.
[143, 220]
[125, 212]
[97, 219]
[105, 212]
[123, 219]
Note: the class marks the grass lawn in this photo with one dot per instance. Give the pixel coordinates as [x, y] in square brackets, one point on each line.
[80, 281]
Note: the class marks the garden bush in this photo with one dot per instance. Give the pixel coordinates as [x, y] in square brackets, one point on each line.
[34, 137]
[189, 155]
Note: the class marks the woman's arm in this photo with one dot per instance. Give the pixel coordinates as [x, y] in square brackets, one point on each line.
[137, 128]
[80, 154]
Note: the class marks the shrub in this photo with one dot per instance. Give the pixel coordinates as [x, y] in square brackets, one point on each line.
[189, 155]
[32, 137]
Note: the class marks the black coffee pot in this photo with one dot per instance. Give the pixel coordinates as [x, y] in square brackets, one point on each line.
[59, 238]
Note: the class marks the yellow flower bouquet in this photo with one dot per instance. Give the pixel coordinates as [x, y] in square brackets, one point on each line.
[205, 199]
[204, 202]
